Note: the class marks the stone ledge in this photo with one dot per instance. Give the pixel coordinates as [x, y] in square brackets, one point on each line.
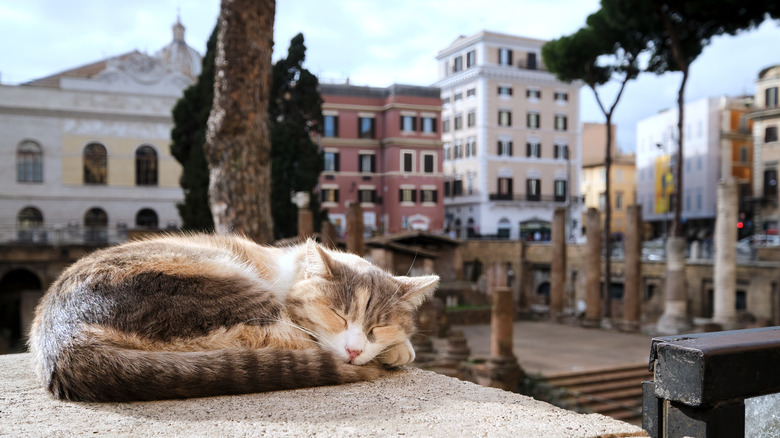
[410, 403]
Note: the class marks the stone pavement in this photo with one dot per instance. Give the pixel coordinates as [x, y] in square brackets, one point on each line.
[548, 348]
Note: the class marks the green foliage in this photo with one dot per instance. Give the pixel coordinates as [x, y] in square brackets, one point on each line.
[187, 139]
[295, 113]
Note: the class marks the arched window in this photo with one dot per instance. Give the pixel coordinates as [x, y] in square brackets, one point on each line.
[29, 224]
[471, 229]
[95, 164]
[96, 225]
[145, 166]
[504, 228]
[146, 218]
[29, 162]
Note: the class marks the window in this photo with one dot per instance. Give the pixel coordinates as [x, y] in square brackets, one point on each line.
[428, 195]
[29, 217]
[407, 195]
[445, 125]
[471, 92]
[698, 199]
[95, 164]
[532, 189]
[559, 190]
[504, 118]
[445, 101]
[471, 118]
[458, 96]
[367, 196]
[504, 91]
[531, 61]
[457, 187]
[505, 188]
[330, 195]
[365, 127]
[96, 225]
[770, 134]
[561, 96]
[331, 162]
[770, 97]
[532, 120]
[447, 151]
[770, 183]
[458, 151]
[29, 162]
[533, 149]
[408, 123]
[408, 161]
[367, 163]
[471, 58]
[533, 93]
[561, 151]
[618, 201]
[457, 64]
[471, 147]
[458, 122]
[505, 148]
[146, 218]
[743, 154]
[145, 166]
[330, 126]
[560, 122]
[429, 125]
[429, 163]
[504, 56]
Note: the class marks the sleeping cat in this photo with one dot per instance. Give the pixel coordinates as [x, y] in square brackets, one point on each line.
[193, 316]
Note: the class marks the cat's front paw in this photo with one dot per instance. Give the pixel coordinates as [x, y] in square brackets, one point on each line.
[397, 355]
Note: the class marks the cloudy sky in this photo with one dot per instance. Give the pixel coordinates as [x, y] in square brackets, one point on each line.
[371, 42]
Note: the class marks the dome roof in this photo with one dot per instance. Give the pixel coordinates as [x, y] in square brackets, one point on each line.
[180, 57]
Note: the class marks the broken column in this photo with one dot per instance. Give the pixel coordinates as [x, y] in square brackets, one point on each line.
[502, 369]
[725, 297]
[675, 319]
[558, 264]
[593, 270]
[329, 236]
[305, 216]
[632, 299]
[355, 229]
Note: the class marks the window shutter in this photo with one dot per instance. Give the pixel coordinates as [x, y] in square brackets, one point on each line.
[400, 195]
[510, 148]
[336, 126]
[373, 163]
[557, 151]
[434, 123]
[414, 195]
[336, 195]
[510, 56]
[510, 91]
[414, 124]
[566, 151]
[401, 122]
[336, 161]
[528, 149]
[498, 150]
[509, 118]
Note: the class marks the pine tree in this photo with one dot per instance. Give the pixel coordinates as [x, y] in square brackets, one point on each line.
[295, 113]
[188, 136]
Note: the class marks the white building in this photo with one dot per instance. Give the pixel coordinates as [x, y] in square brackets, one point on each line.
[85, 153]
[511, 138]
[716, 136]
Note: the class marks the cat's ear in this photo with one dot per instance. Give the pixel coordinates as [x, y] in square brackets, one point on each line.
[317, 262]
[418, 289]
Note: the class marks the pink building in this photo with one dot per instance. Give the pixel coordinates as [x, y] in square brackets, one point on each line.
[383, 149]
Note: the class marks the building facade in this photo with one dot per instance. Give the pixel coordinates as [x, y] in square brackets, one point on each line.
[511, 139]
[594, 176]
[717, 144]
[382, 148]
[85, 153]
[765, 115]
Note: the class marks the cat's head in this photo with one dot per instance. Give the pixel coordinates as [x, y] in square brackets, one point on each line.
[353, 307]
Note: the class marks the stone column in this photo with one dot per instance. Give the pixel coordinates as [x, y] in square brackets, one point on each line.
[305, 216]
[632, 297]
[329, 236]
[593, 270]
[675, 319]
[558, 264]
[355, 229]
[725, 297]
[502, 368]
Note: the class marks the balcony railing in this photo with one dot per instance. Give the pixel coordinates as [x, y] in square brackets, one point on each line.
[532, 198]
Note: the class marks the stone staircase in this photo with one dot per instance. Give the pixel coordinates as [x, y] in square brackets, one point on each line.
[615, 392]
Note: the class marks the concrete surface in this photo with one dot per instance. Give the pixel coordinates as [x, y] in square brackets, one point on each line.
[548, 348]
[411, 403]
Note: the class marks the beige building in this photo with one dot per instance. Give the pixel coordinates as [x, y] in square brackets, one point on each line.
[85, 152]
[622, 188]
[766, 150]
[511, 138]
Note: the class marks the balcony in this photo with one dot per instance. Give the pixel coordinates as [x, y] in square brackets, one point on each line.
[533, 199]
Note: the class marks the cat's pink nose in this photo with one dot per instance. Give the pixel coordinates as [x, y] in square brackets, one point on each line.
[353, 353]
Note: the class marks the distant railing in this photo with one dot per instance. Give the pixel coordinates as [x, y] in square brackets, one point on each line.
[702, 381]
[67, 235]
[532, 198]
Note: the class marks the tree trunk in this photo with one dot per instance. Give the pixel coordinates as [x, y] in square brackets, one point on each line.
[238, 146]
[607, 293]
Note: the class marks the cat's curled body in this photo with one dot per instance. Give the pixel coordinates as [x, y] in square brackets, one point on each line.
[202, 315]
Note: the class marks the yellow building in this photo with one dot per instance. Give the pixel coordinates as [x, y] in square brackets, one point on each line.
[594, 176]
